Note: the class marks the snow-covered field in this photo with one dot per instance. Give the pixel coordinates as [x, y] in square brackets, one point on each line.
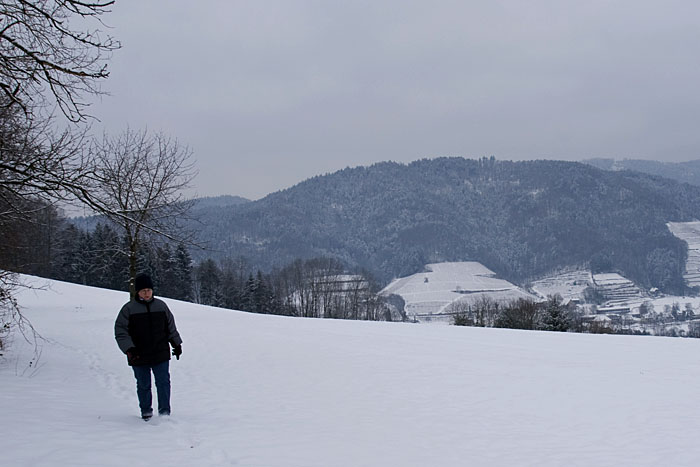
[254, 390]
[567, 284]
[428, 294]
[690, 233]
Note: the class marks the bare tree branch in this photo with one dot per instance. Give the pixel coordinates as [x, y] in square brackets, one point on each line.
[46, 59]
[52, 54]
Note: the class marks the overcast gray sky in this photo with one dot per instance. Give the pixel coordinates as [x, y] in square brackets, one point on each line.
[269, 93]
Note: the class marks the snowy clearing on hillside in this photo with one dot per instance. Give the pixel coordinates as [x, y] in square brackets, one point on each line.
[256, 390]
[569, 285]
[623, 299]
[427, 294]
[690, 233]
[619, 292]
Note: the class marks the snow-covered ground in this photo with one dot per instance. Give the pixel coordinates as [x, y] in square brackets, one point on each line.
[254, 390]
[567, 284]
[620, 292]
[428, 294]
[690, 233]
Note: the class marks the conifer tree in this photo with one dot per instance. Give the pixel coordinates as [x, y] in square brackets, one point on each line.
[209, 283]
[183, 273]
[556, 318]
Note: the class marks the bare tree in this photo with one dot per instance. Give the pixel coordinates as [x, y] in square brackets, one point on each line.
[38, 166]
[138, 183]
[49, 53]
[322, 288]
[485, 311]
[52, 55]
[38, 163]
[11, 317]
[519, 314]
[462, 313]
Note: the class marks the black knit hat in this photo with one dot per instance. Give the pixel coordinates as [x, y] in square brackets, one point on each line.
[143, 281]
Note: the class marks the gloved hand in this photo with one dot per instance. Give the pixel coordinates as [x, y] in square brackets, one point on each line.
[132, 355]
[177, 351]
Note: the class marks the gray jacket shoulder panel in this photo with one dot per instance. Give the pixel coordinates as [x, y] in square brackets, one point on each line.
[121, 329]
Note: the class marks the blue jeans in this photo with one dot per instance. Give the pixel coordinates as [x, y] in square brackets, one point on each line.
[143, 387]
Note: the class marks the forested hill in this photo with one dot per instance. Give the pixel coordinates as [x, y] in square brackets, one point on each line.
[520, 219]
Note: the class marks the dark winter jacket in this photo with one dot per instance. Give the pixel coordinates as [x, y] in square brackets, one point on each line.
[149, 327]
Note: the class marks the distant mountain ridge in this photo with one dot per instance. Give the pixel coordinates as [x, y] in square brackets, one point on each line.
[219, 201]
[685, 172]
[520, 219]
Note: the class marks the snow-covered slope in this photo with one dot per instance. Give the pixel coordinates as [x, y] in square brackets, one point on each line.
[428, 294]
[568, 284]
[255, 390]
[690, 233]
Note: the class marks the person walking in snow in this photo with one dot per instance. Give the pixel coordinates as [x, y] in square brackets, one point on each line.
[145, 330]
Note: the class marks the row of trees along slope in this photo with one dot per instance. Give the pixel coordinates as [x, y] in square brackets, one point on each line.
[521, 219]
